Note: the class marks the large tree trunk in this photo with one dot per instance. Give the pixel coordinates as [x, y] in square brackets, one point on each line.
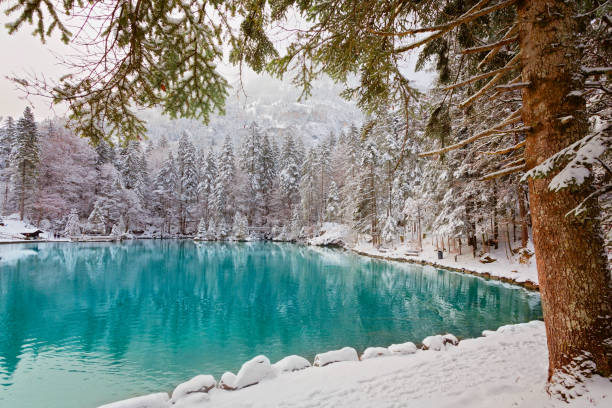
[572, 269]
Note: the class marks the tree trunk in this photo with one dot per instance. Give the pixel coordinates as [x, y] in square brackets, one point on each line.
[523, 215]
[573, 273]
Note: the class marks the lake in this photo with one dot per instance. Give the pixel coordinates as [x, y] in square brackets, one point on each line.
[90, 323]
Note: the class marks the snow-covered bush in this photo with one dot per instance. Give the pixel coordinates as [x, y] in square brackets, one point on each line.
[227, 381]
[403, 348]
[253, 371]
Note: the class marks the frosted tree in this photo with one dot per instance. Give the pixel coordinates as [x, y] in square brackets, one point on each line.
[289, 178]
[73, 226]
[7, 140]
[116, 231]
[165, 190]
[211, 232]
[121, 225]
[333, 211]
[188, 179]
[201, 235]
[366, 211]
[208, 178]
[240, 228]
[96, 222]
[224, 186]
[25, 160]
[389, 230]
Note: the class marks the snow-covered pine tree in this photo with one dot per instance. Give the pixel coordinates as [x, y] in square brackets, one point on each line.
[73, 226]
[211, 232]
[201, 235]
[7, 140]
[289, 178]
[389, 230]
[165, 191]
[25, 160]
[224, 186]
[365, 216]
[333, 211]
[121, 225]
[188, 179]
[208, 178]
[240, 229]
[96, 222]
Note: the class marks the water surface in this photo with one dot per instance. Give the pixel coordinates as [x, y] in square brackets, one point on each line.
[85, 324]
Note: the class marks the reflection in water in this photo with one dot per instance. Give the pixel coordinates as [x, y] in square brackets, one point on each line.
[110, 321]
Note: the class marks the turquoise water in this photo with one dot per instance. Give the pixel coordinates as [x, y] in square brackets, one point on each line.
[86, 324]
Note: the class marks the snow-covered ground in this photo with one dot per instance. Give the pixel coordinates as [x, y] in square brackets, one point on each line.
[505, 265]
[13, 227]
[505, 368]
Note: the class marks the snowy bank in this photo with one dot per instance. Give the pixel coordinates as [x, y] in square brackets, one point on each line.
[332, 234]
[504, 267]
[505, 368]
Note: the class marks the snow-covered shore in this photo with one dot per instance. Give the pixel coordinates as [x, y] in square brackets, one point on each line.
[504, 268]
[504, 368]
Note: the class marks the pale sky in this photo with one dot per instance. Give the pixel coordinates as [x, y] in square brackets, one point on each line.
[22, 54]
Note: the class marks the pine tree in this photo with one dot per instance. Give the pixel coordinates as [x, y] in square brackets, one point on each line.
[7, 140]
[165, 190]
[96, 222]
[224, 186]
[201, 235]
[240, 228]
[289, 178]
[73, 226]
[206, 188]
[366, 212]
[25, 160]
[332, 211]
[187, 179]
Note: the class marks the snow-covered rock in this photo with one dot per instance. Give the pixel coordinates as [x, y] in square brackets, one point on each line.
[228, 381]
[334, 356]
[403, 348]
[450, 339]
[439, 342]
[290, 363]
[158, 400]
[373, 352]
[198, 384]
[331, 234]
[253, 371]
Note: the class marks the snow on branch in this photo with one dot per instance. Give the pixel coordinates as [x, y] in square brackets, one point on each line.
[440, 30]
[596, 70]
[514, 117]
[581, 155]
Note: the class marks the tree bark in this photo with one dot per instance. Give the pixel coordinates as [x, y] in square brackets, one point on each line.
[573, 272]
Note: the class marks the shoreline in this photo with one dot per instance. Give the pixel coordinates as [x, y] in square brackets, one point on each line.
[485, 275]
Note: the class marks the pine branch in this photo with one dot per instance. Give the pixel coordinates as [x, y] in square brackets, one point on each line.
[495, 50]
[513, 63]
[488, 47]
[444, 28]
[481, 76]
[514, 117]
[512, 87]
[506, 150]
[503, 172]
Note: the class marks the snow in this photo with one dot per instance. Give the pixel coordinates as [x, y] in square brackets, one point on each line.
[435, 343]
[515, 358]
[198, 384]
[330, 234]
[227, 381]
[373, 352]
[403, 348]
[334, 356]
[504, 267]
[290, 363]
[13, 227]
[158, 400]
[252, 372]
